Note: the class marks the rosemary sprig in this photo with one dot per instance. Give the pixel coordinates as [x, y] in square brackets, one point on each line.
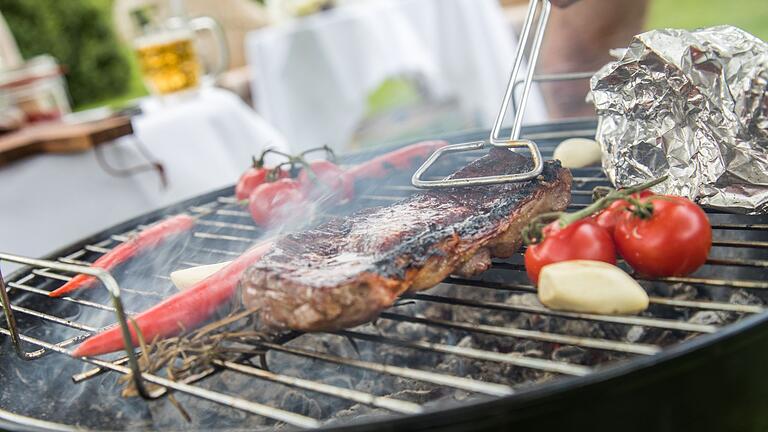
[194, 353]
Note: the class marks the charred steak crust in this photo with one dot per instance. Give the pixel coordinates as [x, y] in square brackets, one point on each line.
[347, 270]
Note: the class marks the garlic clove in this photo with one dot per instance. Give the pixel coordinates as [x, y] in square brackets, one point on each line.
[590, 287]
[185, 278]
[578, 153]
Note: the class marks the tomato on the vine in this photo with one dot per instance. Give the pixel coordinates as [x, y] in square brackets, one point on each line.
[582, 239]
[248, 181]
[327, 177]
[672, 240]
[275, 201]
[253, 177]
[608, 217]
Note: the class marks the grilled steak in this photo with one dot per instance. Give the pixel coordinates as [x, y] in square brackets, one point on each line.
[347, 270]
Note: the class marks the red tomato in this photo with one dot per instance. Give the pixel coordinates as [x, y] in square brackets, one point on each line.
[254, 177]
[608, 217]
[674, 241]
[248, 181]
[328, 177]
[275, 201]
[582, 239]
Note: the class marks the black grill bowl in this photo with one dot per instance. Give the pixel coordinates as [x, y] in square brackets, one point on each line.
[710, 382]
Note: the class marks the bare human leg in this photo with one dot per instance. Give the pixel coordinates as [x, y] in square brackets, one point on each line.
[578, 39]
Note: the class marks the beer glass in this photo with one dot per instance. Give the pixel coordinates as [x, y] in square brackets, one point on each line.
[167, 52]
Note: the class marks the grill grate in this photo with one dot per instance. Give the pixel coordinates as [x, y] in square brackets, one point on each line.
[223, 231]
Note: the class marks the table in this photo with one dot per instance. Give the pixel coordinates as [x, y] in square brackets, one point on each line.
[61, 137]
[51, 200]
[311, 77]
[205, 143]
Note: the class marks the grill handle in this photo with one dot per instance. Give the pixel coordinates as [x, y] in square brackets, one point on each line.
[114, 292]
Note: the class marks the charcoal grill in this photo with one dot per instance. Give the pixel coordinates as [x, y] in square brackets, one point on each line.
[694, 360]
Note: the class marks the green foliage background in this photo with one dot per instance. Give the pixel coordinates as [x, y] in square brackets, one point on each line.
[750, 15]
[79, 34]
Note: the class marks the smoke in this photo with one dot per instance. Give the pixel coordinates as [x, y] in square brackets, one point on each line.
[44, 388]
[27, 386]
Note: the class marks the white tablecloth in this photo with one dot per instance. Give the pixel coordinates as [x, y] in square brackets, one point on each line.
[204, 144]
[311, 77]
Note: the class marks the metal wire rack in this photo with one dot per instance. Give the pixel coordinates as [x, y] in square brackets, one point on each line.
[224, 230]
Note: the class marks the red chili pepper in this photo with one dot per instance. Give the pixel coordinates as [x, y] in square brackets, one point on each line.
[182, 311]
[147, 239]
[189, 308]
[400, 159]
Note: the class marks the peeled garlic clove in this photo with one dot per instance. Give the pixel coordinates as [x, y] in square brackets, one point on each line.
[578, 153]
[184, 279]
[590, 287]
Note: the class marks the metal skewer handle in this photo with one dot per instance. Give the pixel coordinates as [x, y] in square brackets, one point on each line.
[543, 8]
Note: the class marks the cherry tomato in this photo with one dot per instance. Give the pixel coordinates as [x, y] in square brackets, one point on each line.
[254, 177]
[582, 239]
[328, 177]
[674, 241]
[275, 201]
[248, 181]
[608, 217]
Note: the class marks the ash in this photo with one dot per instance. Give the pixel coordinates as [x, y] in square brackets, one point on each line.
[333, 410]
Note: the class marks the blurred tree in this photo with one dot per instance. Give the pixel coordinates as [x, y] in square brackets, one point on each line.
[79, 34]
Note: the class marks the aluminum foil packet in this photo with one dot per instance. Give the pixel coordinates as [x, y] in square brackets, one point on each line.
[692, 105]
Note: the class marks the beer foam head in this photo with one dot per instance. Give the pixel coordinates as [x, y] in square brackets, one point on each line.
[163, 37]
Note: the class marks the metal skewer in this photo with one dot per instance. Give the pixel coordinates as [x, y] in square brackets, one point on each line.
[543, 7]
